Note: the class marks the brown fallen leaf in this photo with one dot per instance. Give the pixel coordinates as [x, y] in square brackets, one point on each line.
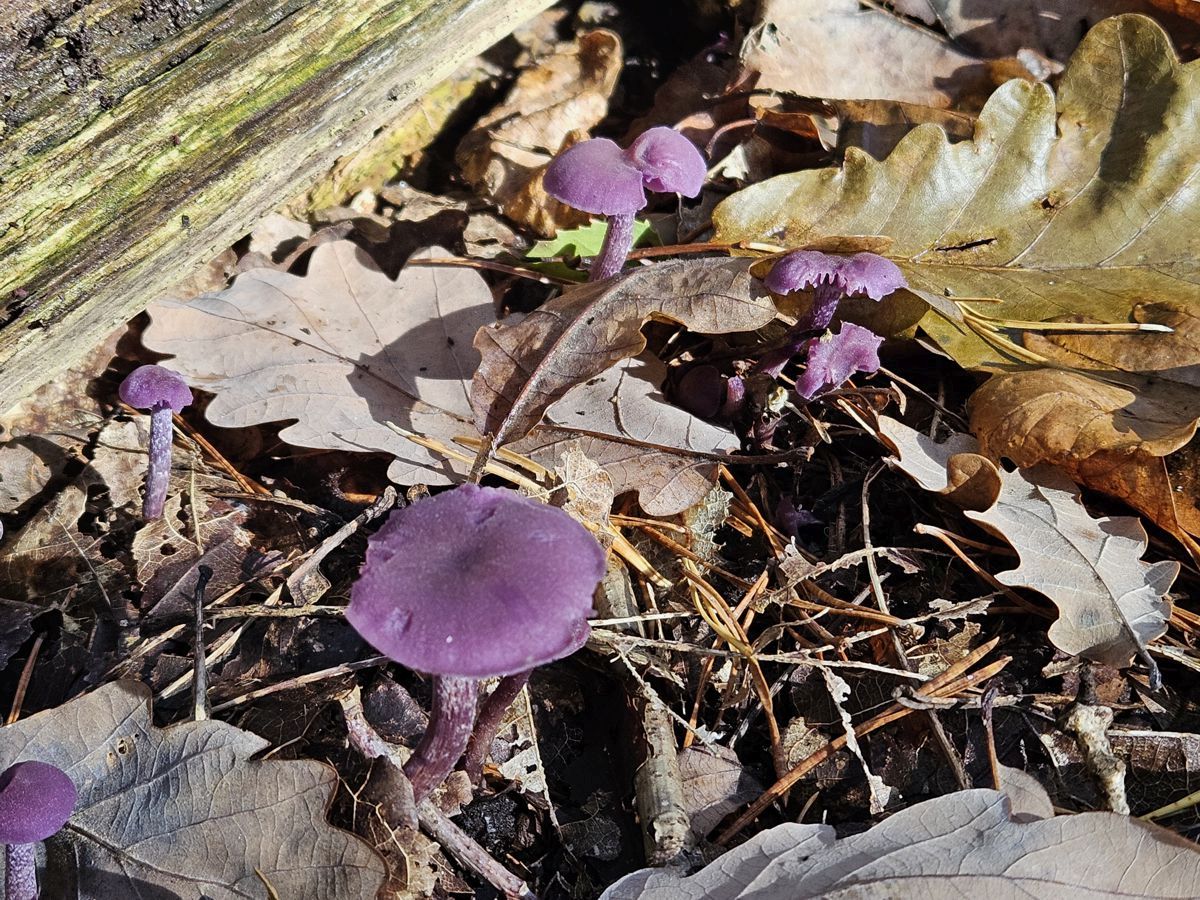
[344, 350]
[959, 845]
[1051, 28]
[714, 784]
[1126, 400]
[1030, 212]
[816, 49]
[184, 811]
[1111, 604]
[1055, 415]
[555, 102]
[590, 327]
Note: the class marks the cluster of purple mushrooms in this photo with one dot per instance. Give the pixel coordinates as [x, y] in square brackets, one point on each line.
[477, 582]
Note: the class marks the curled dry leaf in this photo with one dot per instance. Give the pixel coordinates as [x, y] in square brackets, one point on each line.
[1126, 400]
[183, 811]
[344, 350]
[562, 96]
[964, 844]
[590, 327]
[1031, 211]
[1111, 604]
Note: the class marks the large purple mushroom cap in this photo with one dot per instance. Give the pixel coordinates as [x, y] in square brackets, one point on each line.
[36, 799]
[596, 177]
[866, 274]
[149, 386]
[669, 162]
[477, 582]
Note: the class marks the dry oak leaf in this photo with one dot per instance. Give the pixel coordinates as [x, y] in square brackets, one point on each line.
[553, 103]
[959, 845]
[1125, 400]
[1051, 28]
[344, 350]
[816, 48]
[183, 811]
[1111, 604]
[1035, 210]
[1120, 392]
[590, 327]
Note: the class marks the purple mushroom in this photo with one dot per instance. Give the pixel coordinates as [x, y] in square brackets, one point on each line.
[599, 177]
[36, 799]
[162, 392]
[834, 357]
[831, 278]
[474, 583]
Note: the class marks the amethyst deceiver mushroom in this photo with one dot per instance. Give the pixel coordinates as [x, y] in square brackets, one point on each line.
[831, 278]
[598, 177]
[163, 393]
[36, 799]
[474, 583]
[835, 356]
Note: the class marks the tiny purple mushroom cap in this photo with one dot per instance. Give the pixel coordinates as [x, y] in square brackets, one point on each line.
[835, 357]
[596, 177]
[149, 386]
[669, 162]
[477, 582]
[862, 273]
[36, 799]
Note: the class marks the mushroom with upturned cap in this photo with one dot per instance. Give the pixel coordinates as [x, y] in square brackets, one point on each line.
[474, 583]
[599, 177]
[162, 392]
[831, 278]
[36, 799]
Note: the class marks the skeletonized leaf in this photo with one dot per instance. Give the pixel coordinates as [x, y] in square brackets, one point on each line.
[1111, 604]
[960, 845]
[184, 810]
[1080, 206]
[580, 334]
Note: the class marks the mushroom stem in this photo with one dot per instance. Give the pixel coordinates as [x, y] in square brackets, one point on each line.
[618, 239]
[826, 297]
[159, 471]
[450, 723]
[20, 876]
[488, 723]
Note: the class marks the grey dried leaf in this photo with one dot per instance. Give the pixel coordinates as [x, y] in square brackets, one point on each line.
[1111, 604]
[964, 844]
[714, 785]
[183, 811]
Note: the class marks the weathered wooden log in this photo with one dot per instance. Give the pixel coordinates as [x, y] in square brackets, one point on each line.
[138, 138]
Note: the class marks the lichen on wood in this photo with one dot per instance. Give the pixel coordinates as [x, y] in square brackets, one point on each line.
[140, 138]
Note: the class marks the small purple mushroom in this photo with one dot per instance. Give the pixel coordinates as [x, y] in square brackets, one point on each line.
[36, 799]
[474, 583]
[599, 177]
[831, 278]
[834, 357]
[162, 392]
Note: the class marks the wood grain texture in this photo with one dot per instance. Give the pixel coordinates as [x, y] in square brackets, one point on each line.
[140, 137]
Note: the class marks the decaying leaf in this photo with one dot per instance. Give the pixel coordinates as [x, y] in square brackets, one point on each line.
[1111, 604]
[1125, 400]
[1051, 28]
[1034, 211]
[344, 350]
[562, 96]
[815, 49]
[714, 784]
[964, 844]
[183, 811]
[590, 327]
